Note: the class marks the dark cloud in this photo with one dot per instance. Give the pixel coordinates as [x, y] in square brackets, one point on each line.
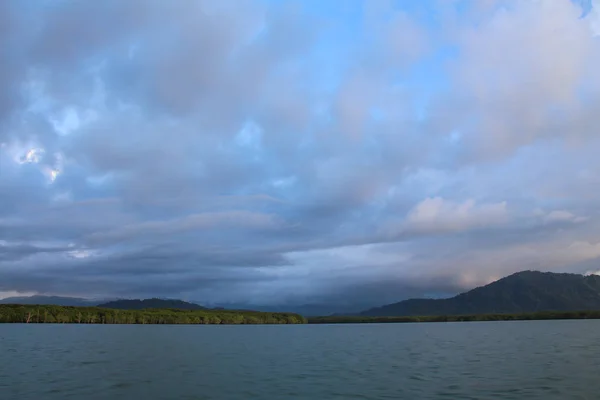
[17, 252]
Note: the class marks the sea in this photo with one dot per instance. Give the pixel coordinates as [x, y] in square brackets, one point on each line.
[463, 360]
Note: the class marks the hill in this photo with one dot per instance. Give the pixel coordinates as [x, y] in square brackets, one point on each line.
[49, 300]
[523, 292]
[151, 303]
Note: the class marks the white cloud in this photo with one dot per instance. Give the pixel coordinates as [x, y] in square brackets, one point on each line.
[81, 253]
[13, 293]
[522, 73]
[436, 215]
[33, 155]
[562, 216]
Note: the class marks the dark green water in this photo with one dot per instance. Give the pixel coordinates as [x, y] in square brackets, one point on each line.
[478, 360]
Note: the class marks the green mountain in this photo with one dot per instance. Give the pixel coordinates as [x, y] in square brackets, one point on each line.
[523, 292]
[151, 303]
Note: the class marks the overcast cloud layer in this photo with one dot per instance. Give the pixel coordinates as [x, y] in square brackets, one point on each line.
[274, 152]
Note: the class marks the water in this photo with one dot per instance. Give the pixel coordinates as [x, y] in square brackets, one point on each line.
[479, 360]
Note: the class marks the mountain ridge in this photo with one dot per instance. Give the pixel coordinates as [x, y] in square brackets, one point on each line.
[137, 304]
[521, 292]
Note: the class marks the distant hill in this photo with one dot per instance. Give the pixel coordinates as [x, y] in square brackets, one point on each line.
[304, 309]
[49, 300]
[151, 303]
[523, 292]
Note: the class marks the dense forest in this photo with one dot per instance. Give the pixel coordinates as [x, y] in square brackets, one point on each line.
[595, 314]
[18, 313]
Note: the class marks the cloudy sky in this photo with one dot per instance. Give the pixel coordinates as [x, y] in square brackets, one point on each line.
[296, 151]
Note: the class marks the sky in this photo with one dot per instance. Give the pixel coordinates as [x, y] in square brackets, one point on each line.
[292, 152]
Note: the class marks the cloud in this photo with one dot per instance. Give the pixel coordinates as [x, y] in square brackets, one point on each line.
[522, 91]
[436, 215]
[196, 222]
[9, 252]
[562, 216]
[295, 152]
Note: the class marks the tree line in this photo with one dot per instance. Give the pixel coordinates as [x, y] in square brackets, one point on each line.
[40, 314]
[545, 315]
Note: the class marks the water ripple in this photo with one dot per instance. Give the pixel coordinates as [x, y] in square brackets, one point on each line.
[547, 360]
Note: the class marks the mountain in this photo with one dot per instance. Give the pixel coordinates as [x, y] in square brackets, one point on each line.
[50, 300]
[151, 303]
[303, 309]
[523, 292]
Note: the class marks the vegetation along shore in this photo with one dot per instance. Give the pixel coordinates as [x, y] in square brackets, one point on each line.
[545, 315]
[17, 313]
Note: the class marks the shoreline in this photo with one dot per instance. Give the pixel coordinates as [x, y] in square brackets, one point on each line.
[536, 316]
[50, 314]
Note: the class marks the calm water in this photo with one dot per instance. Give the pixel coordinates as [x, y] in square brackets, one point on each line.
[480, 360]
